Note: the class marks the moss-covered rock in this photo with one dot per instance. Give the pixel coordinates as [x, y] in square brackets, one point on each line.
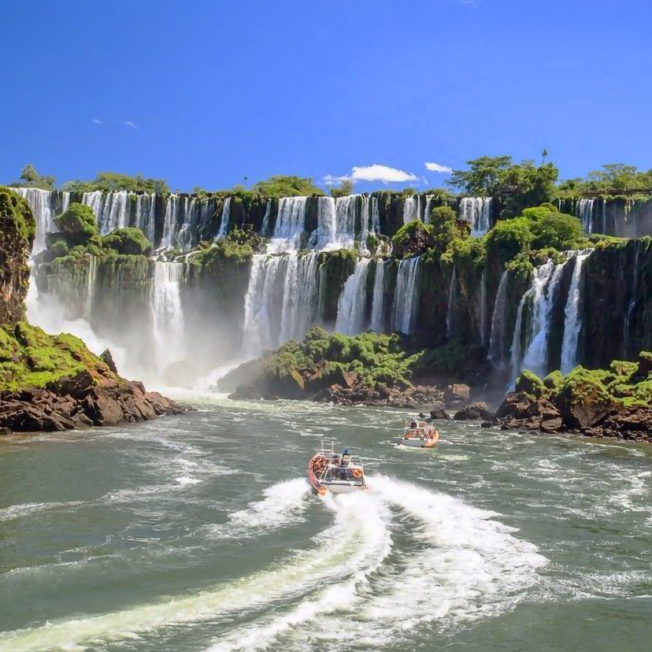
[583, 399]
[128, 241]
[530, 384]
[554, 380]
[77, 224]
[17, 231]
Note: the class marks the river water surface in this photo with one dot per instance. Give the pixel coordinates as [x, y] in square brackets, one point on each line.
[199, 533]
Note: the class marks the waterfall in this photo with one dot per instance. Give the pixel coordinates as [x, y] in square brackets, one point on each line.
[226, 218]
[572, 318]
[170, 220]
[427, 209]
[45, 205]
[167, 314]
[352, 302]
[604, 216]
[336, 220]
[497, 339]
[536, 355]
[265, 227]
[281, 301]
[375, 215]
[290, 224]
[365, 221]
[405, 299]
[627, 325]
[145, 219]
[378, 299]
[90, 288]
[410, 209]
[584, 210]
[111, 209]
[477, 212]
[452, 301]
[536, 294]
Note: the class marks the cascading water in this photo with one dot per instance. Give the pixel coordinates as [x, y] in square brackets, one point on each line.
[427, 209]
[352, 302]
[290, 225]
[45, 205]
[483, 308]
[281, 301]
[378, 299]
[584, 210]
[410, 209]
[536, 355]
[170, 220]
[536, 296]
[375, 215]
[167, 314]
[145, 219]
[572, 317]
[477, 212]
[225, 218]
[497, 339]
[111, 209]
[265, 227]
[405, 299]
[452, 305]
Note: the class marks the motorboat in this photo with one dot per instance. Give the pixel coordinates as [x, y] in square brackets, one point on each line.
[337, 473]
[418, 434]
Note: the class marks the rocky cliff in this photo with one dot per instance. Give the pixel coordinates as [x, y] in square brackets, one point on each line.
[54, 382]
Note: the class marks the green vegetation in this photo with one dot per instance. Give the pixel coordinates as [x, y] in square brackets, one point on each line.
[287, 186]
[77, 224]
[128, 241]
[613, 180]
[30, 178]
[624, 384]
[343, 190]
[30, 358]
[112, 181]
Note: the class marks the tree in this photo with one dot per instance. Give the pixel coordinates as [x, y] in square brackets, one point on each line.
[562, 232]
[287, 186]
[30, 178]
[446, 227]
[509, 238]
[526, 185]
[484, 177]
[544, 155]
[113, 181]
[29, 174]
[77, 224]
[344, 190]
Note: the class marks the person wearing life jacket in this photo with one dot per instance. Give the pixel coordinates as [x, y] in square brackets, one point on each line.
[346, 458]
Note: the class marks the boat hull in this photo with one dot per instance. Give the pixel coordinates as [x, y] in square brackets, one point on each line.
[415, 443]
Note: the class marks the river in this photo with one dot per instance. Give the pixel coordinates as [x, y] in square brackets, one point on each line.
[198, 533]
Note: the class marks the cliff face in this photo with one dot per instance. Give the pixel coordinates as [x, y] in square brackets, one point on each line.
[54, 382]
[17, 231]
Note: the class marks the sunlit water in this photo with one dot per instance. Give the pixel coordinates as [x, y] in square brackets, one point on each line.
[199, 533]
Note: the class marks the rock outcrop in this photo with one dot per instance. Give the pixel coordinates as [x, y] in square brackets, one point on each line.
[614, 403]
[48, 382]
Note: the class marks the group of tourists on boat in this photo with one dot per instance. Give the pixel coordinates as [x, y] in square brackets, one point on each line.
[337, 473]
[419, 434]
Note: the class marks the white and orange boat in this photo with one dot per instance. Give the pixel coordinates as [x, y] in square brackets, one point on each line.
[418, 434]
[336, 473]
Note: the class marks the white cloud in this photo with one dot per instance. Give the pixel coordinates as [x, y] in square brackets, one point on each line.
[435, 167]
[381, 173]
[330, 180]
[131, 124]
[97, 121]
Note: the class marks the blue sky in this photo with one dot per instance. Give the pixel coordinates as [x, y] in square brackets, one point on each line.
[216, 91]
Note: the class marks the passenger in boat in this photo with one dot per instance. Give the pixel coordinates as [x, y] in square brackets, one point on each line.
[346, 457]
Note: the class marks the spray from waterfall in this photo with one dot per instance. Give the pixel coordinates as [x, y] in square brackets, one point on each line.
[167, 314]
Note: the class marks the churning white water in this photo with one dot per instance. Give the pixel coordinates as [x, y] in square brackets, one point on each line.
[290, 224]
[167, 314]
[572, 317]
[405, 300]
[378, 299]
[352, 302]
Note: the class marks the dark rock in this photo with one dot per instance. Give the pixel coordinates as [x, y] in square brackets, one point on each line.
[437, 411]
[107, 359]
[473, 412]
[457, 396]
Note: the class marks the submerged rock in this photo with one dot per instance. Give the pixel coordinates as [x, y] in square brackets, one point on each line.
[475, 411]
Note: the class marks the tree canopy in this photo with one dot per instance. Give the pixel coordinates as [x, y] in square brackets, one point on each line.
[30, 178]
[112, 181]
[287, 186]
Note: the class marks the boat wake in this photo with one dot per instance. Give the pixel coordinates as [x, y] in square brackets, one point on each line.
[393, 559]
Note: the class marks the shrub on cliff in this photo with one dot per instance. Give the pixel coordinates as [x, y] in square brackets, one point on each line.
[128, 241]
[287, 186]
[412, 239]
[509, 238]
[553, 229]
[78, 224]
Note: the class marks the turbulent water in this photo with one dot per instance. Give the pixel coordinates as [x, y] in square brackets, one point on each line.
[199, 533]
